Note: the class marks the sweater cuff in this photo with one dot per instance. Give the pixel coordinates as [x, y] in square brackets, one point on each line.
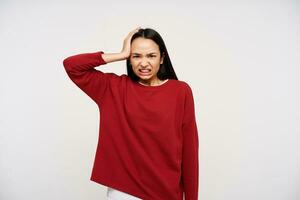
[100, 57]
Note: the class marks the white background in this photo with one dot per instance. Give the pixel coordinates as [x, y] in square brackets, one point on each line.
[241, 59]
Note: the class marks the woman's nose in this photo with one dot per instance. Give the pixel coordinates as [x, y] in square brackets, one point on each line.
[144, 62]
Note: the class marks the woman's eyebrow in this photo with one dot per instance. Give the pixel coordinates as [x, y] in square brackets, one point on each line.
[147, 54]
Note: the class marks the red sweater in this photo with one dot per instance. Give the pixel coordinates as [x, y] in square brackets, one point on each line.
[148, 139]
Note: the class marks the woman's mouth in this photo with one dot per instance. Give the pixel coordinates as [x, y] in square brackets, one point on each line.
[144, 72]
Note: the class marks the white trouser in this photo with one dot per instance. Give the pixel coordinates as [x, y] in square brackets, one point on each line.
[113, 194]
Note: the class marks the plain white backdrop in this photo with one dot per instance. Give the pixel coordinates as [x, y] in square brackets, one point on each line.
[241, 59]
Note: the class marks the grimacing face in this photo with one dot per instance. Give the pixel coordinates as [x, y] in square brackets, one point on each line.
[145, 59]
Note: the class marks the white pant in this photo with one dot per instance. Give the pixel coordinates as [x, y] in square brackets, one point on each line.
[113, 194]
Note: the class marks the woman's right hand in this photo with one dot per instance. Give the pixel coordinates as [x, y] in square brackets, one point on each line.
[126, 43]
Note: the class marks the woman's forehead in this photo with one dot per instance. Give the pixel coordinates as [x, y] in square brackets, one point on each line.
[144, 50]
[142, 44]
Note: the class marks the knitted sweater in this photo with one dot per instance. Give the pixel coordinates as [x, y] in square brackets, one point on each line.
[148, 140]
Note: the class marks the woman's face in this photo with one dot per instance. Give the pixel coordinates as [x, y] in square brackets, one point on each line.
[145, 59]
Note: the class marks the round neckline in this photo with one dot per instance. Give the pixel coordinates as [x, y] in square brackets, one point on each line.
[153, 86]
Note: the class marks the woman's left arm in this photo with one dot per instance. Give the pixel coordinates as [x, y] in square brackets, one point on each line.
[190, 148]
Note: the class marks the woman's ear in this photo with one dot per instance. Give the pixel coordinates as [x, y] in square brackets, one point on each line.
[162, 58]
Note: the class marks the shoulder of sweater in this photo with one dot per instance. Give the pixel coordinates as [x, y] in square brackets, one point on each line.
[187, 88]
[185, 85]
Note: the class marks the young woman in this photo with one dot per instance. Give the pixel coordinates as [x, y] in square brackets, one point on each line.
[148, 139]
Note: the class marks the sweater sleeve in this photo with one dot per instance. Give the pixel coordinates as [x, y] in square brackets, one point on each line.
[80, 69]
[190, 166]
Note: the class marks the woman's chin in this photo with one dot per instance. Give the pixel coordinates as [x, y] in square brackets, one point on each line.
[144, 77]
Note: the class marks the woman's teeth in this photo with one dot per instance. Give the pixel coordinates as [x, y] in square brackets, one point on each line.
[144, 70]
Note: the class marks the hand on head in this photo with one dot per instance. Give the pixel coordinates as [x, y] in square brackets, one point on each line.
[126, 43]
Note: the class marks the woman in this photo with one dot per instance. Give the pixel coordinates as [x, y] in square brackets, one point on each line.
[148, 139]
